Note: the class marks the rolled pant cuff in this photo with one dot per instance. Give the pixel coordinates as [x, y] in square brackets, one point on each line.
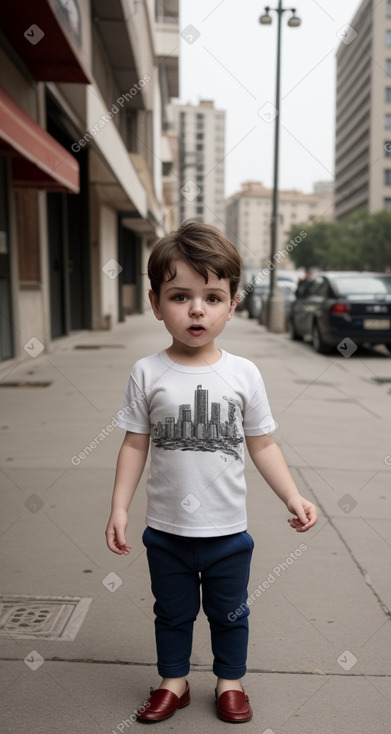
[229, 673]
[173, 671]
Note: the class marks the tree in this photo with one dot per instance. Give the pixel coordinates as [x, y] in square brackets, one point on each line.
[361, 241]
[313, 249]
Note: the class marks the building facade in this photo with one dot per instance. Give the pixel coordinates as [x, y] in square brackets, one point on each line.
[248, 218]
[200, 130]
[84, 86]
[363, 112]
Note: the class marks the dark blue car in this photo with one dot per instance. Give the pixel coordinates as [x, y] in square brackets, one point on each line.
[332, 306]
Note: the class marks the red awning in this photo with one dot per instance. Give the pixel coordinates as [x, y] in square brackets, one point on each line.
[38, 160]
[48, 36]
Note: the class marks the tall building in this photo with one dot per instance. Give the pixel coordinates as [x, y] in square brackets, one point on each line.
[84, 162]
[201, 149]
[248, 218]
[200, 411]
[363, 111]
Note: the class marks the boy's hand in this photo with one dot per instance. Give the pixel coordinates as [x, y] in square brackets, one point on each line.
[115, 532]
[305, 511]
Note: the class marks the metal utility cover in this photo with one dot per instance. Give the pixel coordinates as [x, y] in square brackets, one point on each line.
[42, 617]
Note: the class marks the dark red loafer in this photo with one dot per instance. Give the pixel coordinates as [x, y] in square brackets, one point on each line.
[234, 707]
[162, 704]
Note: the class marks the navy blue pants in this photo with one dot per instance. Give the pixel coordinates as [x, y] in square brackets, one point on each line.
[180, 567]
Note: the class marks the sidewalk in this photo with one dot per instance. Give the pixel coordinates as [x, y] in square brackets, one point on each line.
[319, 657]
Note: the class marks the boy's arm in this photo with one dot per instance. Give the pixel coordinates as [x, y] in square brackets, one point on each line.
[130, 466]
[271, 464]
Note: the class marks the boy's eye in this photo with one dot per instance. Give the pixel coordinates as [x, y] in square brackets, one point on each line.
[181, 297]
[214, 299]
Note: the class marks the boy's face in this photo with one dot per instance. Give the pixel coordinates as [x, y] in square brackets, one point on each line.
[194, 312]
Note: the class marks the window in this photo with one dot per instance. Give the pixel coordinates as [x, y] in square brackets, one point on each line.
[388, 67]
[388, 94]
[199, 146]
[387, 148]
[388, 9]
[358, 284]
[387, 177]
[166, 168]
[387, 203]
[388, 122]
[388, 38]
[199, 210]
[200, 136]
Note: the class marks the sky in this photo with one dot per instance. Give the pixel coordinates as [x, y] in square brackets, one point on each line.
[231, 58]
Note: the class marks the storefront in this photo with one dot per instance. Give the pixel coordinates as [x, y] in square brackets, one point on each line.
[6, 326]
[43, 187]
[31, 161]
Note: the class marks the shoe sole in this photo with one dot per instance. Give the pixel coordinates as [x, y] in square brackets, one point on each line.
[164, 718]
[232, 721]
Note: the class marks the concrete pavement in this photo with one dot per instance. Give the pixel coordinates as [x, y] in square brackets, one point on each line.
[319, 657]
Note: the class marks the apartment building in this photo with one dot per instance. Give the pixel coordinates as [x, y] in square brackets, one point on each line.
[363, 111]
[84, 160]
[201, 149]
[248, 218]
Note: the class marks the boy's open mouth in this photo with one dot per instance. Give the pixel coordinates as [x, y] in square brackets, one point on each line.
[196, 329]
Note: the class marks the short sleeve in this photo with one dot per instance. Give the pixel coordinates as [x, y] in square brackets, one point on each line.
[258, 419]
[133, 414]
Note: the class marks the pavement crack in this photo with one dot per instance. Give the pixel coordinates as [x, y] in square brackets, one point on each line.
[386, 611]
[200, 668]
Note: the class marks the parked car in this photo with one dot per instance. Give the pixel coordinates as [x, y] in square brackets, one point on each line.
[257, 298]
[334, 305]
[253, 301]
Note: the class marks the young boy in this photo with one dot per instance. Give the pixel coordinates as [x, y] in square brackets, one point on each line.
[196, 403]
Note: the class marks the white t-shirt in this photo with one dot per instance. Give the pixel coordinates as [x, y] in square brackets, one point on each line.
[197, 418]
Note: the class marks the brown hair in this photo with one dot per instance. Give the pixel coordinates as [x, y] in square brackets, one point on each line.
[200, 245]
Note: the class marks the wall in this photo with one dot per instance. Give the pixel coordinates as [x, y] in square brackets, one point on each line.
[378, 161]
[108, 251]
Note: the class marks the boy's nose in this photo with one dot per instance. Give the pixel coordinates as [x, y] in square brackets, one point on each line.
[197, 306]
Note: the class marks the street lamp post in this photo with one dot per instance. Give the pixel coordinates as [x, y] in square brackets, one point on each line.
[276, 307]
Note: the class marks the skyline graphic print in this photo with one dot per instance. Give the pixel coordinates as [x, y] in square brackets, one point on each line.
[200, 431]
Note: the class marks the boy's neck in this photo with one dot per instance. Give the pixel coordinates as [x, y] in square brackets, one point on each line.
[194, 356]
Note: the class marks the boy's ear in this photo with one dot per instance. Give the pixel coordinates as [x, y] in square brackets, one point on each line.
[154, 301]
[232, 305]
